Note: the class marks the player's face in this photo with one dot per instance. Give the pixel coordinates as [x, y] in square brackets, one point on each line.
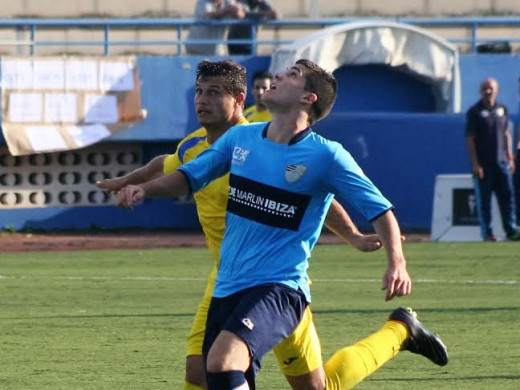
[213, 104]
[260, 86]
[287, 87]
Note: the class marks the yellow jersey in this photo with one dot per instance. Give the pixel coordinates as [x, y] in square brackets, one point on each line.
[212, 200]
[253, 115]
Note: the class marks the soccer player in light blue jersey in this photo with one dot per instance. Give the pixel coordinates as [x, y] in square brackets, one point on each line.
[283, 178]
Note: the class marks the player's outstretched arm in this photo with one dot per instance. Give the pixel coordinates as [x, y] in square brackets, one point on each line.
[396, 280]
[172, 185]
[338, 221]
[150, 171]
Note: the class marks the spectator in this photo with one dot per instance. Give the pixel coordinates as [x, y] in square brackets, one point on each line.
[516, 178]
[489, 143]
[255, 11]
[212, 9]
[258, 112]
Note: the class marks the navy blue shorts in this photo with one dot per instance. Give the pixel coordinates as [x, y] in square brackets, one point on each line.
[262, 316]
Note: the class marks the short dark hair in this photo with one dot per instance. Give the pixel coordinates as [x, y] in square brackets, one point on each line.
[233, 74]
[323, 84]
[262, 74]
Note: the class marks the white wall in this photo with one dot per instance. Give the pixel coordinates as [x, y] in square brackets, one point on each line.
[290, 8]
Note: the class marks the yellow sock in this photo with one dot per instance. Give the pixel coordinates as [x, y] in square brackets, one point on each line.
[189, 386]
[352, 364]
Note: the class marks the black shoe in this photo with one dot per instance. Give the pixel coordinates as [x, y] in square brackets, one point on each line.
[422, 340]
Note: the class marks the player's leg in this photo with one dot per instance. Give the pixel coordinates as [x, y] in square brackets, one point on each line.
[299, 356]
[483, 201]
[506, 200]
[352, 364]
[195, 378]
[241, 328]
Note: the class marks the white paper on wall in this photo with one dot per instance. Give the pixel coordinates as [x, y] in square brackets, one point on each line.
[25, 107]
[81, 75]
[49, 74]
[87, 135]
[45, 138]
[17, 74]
[116, 76]
[101, 109]
[61, 107]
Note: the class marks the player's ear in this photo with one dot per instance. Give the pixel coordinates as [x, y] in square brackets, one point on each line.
[241, 98]
[310, 98]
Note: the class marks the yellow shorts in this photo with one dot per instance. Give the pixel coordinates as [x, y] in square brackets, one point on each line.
[298, 354]
[196, 337]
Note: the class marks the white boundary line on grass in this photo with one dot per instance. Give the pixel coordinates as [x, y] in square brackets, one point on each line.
[187, 279]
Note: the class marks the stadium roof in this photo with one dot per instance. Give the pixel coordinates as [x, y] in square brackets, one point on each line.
[398, 45]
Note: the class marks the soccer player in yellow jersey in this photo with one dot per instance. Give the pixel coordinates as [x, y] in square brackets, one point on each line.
[260, 84]
[219, 96]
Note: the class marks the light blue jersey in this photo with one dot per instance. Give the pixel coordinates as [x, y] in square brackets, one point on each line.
[279, 196]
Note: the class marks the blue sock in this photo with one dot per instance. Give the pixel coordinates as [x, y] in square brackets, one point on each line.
[227, 380]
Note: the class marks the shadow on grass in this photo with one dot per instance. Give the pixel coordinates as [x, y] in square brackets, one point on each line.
[420, 310]
[150, 315]
[318, 311]
[451, 378]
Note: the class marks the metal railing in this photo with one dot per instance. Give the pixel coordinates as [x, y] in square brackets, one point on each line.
[28, 30]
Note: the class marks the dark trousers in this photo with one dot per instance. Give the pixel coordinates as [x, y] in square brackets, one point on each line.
[498, 180]
[516, 180]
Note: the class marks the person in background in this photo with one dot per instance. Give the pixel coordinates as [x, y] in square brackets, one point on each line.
[255, 11]
[259, 112]
[212, 9]
[516, 177]
[489, 144]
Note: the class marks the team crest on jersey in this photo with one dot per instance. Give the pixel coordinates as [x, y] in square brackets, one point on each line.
[500, 111]
[239, 155]
[294, 173]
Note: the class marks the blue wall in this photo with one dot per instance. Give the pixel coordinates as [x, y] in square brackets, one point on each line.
[402, 154]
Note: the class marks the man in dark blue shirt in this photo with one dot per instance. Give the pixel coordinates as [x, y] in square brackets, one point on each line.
[489, 143]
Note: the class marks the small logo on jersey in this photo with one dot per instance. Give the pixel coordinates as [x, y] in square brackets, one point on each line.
[248, 323]
[289, 360]
[484, 113]
[239, 156]
[294, 172]
[500, 111]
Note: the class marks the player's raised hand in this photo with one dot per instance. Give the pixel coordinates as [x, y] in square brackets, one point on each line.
[111, 185]
[128, 196]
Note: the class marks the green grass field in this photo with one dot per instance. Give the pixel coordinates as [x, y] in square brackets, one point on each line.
[118, 319]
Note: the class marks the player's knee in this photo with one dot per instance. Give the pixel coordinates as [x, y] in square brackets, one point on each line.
[195, 373]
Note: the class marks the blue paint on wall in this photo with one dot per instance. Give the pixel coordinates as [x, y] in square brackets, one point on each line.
[402, 154]
[379, 88]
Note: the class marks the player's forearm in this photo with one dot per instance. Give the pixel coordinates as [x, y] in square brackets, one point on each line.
[148, 172]
[339, 223]
[387, 229]
[172, 185]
